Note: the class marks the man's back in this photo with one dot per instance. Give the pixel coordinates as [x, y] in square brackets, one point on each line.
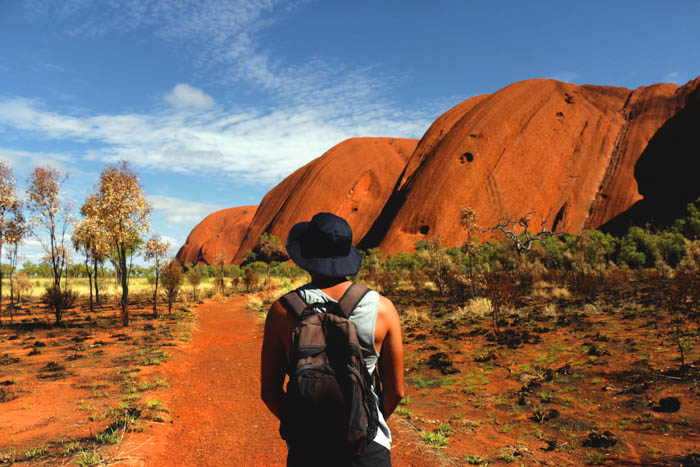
[385, 322]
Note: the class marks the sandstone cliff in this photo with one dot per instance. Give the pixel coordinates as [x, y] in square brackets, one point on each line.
[576, 156]
[353, 180]
[220, 233]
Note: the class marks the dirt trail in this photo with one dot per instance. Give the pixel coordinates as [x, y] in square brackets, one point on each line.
[218, 418]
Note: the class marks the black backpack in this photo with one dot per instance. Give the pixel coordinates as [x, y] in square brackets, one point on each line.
[328, 403]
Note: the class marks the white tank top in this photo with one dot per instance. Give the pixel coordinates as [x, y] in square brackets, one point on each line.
[364, 317]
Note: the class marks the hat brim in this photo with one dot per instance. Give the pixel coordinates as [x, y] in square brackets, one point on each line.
[333, 266]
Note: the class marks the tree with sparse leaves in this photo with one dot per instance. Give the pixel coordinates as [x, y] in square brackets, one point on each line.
[10, 206]
[524, 239]
[120, 208]
[50, 221]
[172, 277]
[155, 250]
[89, 240]
[14, 231]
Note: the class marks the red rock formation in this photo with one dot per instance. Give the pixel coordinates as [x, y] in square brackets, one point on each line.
[578, 156]
[562, 151]
[353, 180]
[220, 233]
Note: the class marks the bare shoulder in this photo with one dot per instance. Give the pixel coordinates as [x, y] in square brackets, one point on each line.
[387, 317]
[276, 319]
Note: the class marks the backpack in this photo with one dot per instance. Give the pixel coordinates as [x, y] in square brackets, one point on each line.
[329, 402]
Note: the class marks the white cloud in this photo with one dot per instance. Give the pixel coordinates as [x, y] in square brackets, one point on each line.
[180, 211]
[184, 96]
[259, 146]
[311, 106]
[566, 76]
[673, 77]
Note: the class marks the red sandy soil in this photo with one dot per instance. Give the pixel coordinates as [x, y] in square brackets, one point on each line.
[218, 417]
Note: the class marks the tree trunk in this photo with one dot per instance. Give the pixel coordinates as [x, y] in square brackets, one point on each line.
[97, 290]
[125, 286]
[89, 274]
[1, 281]
[155, 296]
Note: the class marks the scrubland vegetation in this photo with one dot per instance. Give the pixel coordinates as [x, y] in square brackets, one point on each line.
[580, 349]
[524, 348]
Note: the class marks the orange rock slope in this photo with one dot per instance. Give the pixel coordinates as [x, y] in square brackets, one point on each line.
[220, 233]
[576, 156]
[565, 153]
[353, 179]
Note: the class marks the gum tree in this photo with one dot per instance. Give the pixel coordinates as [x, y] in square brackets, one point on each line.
[155, 250]
[120, 208]
[50, 221]
[10, 207]
[172, 277]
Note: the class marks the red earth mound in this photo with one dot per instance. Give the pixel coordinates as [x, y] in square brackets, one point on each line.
[353, 179]
[564, 152]
[576, 156]
[220, 233]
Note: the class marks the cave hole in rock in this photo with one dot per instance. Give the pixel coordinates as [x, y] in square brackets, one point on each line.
[466, 157]
[424, 229]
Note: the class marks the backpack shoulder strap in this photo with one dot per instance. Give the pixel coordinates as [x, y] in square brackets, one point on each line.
[351, 298]
[293, 302]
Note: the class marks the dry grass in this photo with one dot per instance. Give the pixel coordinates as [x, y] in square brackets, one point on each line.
[108, 287]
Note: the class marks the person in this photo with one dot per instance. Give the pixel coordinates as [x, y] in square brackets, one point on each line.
[323, 247]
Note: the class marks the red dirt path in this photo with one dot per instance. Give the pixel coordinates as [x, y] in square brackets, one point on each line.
[218, 418]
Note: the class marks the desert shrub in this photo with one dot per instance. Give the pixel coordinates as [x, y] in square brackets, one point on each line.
[629, 255]
[250, 279]
[501, 293]
[172, 277]
[459, 284]
[404, 261]
[194, 276]
[23, 286]
[438, 264]
[689, 226]
[681, 297]
[418, 279]
[597, 247]
[257, 267]
[59, 300]
[477, 307]
[255, 303]
[387, 282]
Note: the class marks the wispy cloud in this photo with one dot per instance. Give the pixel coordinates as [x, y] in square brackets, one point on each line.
[260, 146]
[566, 76]
[304, 108]
[184, 96]
[180, 211]
[673, 77]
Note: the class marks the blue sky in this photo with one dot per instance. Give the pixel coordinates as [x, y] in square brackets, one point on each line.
[214, 102]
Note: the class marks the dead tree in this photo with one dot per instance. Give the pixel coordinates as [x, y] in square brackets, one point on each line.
[525, 239]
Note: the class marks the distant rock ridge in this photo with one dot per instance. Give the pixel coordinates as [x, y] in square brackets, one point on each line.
[578, 156]
[219, 234]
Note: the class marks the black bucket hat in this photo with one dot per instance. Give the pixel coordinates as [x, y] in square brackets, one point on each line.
[324, 246]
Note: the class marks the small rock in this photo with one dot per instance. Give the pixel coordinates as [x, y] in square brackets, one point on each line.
[668, 405]
[598, 440]
[34, 352]
[551, 445]
[691, 460]
[441, 361]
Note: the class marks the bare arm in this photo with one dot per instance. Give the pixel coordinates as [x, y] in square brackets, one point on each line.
[272, 359]
[391, 361]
